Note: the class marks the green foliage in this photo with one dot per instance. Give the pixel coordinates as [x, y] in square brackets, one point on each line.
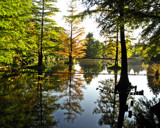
[94, 48]
[45, 30]
[20, 30]
[13, 36]
[148, 15]
[138, 13]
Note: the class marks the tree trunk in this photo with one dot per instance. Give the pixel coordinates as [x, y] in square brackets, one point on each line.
[116, 59]
[124, 69]
[124, 81]
[40, 59]
[70, 53]
[123, 84]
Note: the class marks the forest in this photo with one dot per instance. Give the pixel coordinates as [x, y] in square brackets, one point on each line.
[29, 34]
[43, 66]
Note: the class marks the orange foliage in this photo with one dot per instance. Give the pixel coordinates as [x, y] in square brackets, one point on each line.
[77, 46]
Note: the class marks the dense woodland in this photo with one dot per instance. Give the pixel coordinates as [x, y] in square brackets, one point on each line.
[30, 35]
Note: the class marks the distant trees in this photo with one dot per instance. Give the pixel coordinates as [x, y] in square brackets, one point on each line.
[93, 47]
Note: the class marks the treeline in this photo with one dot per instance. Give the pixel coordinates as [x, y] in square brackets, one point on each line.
[29, 33]
[107, 49]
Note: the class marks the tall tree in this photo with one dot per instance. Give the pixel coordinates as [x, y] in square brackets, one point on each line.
[111, 12]
[76, 42]
[45, 28]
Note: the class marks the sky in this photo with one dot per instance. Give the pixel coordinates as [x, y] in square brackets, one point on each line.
[89, 23]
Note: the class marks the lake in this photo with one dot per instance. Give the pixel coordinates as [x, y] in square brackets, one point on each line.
[78, 96]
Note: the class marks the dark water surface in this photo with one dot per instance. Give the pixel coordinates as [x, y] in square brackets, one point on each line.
[78, 96]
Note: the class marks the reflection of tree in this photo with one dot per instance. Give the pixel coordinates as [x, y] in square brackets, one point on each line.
[110, 106]
[136, 65]
[91, 68]
[107, 104]
[73, 95]
[153, 76]
[15, 104]
[21, 104]
[144, 113]
[44, 105]
[71, 92]
[123, 95]
[55, 77]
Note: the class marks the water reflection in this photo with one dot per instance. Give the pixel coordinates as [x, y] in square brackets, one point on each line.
[107, 104]
[91, 68]
[45, 105]
[136, 65]
[153, 76]
[33, 95]
[147, 113]
[59, 96]
[116, 102]
[112, 106]
[15, 103]
[71, 92]
[23, 101]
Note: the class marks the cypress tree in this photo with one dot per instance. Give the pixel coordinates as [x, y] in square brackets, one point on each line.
[45, 26]
[13, 21]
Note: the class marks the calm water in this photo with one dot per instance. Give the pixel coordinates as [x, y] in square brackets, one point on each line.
[78, 96]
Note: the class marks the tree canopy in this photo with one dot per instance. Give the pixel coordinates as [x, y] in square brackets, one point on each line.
[93, 47]
[13, 38]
